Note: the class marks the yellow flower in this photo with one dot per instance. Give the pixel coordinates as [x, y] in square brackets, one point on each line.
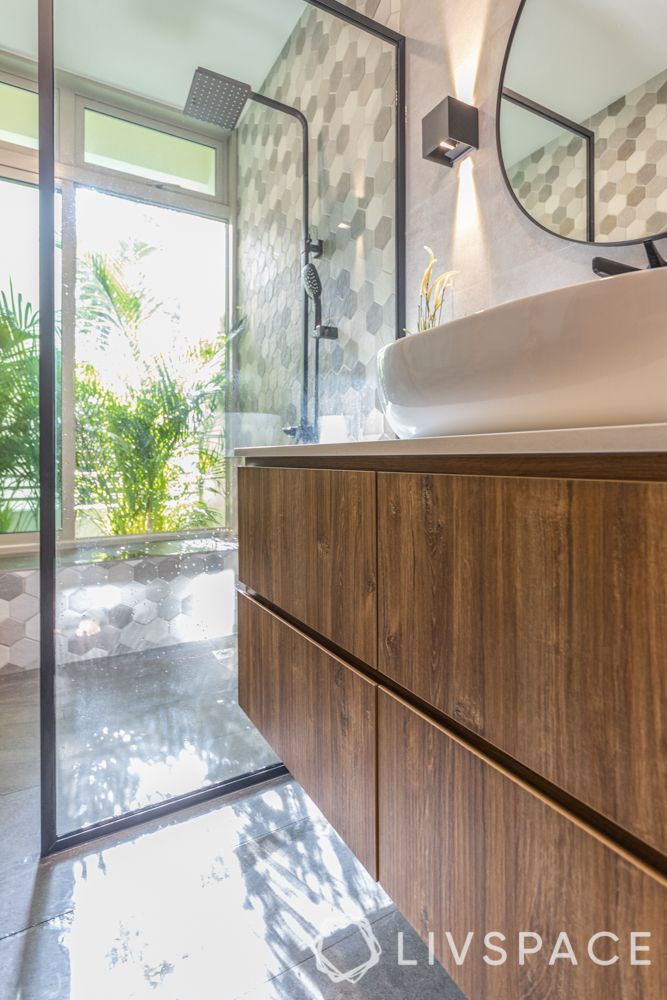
[440, 286]
[428, 272]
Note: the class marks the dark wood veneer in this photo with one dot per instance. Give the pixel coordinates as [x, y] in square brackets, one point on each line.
[308, 545]
[534, 612]
[465, 846]
[648, 466]
[319, 715]
[498, 751]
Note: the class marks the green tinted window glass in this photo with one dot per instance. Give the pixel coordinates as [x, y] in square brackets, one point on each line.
[135, 149]
[18, 116]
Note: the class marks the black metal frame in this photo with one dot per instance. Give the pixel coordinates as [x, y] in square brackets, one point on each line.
[399, 42]
[51, 842]
[530, 105]
[584, 133]
[47, 427]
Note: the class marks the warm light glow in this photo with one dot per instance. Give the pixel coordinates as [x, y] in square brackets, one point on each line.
[448, 144]
[344, 225]
[467, 205]
[465, 76]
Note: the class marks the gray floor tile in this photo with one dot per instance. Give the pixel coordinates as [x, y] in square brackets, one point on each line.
[168, 915]
[32, 892]
[34, 964]
[19, 735]
[19, 827]
[330, 873]
[213, 904]
[386, 979]
[141, 728]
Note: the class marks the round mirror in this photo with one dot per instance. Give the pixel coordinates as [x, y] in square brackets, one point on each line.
[582, 118]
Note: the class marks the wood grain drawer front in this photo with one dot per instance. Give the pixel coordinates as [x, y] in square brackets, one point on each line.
[464, 847]
[534, 612]
[308, 545]
[319, 715]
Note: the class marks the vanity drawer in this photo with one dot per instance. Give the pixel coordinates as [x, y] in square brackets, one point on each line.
[534, 613]
[307, 544]
[466, 847]
[319, 715]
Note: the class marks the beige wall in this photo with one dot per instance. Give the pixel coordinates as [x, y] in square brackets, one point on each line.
[466, 214]
[385, 11]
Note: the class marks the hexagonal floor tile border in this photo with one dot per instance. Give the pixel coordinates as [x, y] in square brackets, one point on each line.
[115, 607]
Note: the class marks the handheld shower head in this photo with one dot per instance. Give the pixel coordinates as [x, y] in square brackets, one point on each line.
[311, 282]
[313, 289]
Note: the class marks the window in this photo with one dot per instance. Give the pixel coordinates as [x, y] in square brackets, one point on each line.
[150, 367]
[19, 356]
[19, 118]
[147, 152]
[132, 192]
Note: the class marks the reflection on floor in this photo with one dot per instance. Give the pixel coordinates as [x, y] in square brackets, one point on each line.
[223, 901]
[143, 727]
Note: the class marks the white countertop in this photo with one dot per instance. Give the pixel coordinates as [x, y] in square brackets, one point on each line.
[624, 439]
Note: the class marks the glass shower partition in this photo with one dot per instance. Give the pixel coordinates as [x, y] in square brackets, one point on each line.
[186, 329]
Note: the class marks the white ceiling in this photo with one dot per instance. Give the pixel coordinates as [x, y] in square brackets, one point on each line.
[578, 56]
[152, 47]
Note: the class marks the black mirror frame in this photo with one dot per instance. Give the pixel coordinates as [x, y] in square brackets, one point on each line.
[499, 100]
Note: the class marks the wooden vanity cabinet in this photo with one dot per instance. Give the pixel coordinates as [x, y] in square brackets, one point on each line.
[308, 546]
[533, 612]
[466, 668]
[467, 847]
[319, 715]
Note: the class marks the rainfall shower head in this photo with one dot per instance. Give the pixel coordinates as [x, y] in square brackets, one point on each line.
[216, 99]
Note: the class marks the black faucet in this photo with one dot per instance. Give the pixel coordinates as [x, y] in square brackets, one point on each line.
[605, 268]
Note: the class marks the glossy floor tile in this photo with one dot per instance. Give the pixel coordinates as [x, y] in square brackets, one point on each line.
[230, 899]
[140, 728]
[132, 730]
[227, 900]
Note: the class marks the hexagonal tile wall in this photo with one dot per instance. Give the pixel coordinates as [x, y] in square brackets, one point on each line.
[19, 621]
[343, 80]
[116, 607]
[630, 176]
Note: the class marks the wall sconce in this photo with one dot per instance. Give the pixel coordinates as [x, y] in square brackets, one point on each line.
[450, 132]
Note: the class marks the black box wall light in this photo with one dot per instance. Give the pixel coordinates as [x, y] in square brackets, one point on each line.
[450, 132]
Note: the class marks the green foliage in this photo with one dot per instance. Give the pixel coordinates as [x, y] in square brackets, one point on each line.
[108, 303]
[128, 451]
[19, 413]
[147, 456]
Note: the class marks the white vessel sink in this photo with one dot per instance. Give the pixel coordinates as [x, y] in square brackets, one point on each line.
[588, 355]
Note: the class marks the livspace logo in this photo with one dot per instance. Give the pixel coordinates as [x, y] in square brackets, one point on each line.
[494, 948]
[604, 948]
[354, 975]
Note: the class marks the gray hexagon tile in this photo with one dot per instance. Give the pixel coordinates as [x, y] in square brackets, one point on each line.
[11, 585]
[343, 80]
[631, 171]
[11, 631]
[119, 606]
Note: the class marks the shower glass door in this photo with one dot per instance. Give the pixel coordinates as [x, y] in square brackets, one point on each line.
[146, 668]
[183, 332]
